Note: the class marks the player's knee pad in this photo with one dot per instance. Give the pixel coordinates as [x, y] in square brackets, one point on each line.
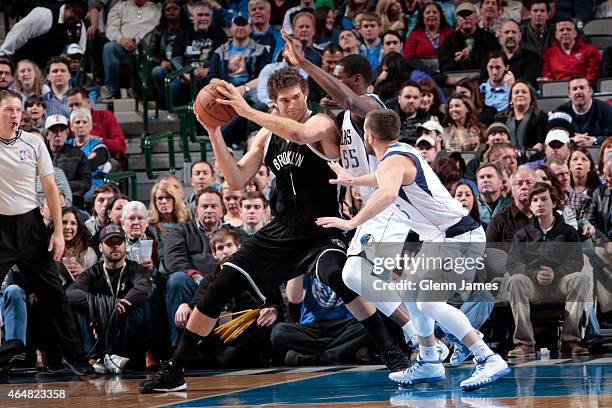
[229, 283]
[329, 271]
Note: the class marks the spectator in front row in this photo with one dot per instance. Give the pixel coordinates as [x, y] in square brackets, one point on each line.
[592, 118]
[127, 282]
[326, 333]
[70, 159]
[104, 124]
[569, 56]
[541, 271]
[187, 253]
[128, 22]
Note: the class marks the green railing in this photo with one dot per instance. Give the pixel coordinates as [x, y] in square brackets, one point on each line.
[184, 112]
[130, 177]
[148, 144]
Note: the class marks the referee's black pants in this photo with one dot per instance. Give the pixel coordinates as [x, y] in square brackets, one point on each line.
[24, 242]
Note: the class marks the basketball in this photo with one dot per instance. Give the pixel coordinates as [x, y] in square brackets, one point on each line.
[207, 108]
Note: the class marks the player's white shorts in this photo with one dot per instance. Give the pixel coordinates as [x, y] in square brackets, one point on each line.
[382, 235]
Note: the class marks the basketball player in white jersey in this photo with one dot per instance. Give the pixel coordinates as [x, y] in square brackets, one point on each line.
[348, 88]
[420, 202]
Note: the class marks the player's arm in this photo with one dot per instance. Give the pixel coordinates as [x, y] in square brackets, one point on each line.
[237, 174]
[317, 128]
[55, 208]
[344, 178]
[295, 290]
[392, 173]
[344, 96]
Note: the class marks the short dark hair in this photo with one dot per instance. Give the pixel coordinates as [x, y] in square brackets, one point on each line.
[575, 77]
[384, 123]
[496, 167]
[223, 234]
[207, 190]
[9, 93]
[498, 54]
[482, 1]
[201, 162]
[331, 48]
[58, 59]
[541, 187]
[393, 33]
[78, 90]
[533, 2]
[35, 100]
[565, 20]
[4, 61]
[285, 78]
[254, 195]
[354, 64]
[409, 83]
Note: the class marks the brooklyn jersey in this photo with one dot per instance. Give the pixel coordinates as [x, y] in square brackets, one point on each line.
[353, 156]
[427, 205]
[303, 192]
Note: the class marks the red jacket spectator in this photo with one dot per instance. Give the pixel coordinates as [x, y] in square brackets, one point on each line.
[584, 59]
[418, 44]
[105, 126]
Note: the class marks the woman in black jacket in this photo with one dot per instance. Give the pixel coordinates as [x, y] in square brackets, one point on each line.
[525, 121]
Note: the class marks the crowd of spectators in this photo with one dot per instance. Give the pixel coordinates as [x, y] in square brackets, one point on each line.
[530, 176]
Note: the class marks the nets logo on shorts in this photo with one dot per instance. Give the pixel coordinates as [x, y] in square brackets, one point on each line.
[367, 240]
[338, 242]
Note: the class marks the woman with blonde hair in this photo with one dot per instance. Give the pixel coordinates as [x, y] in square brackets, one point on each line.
[166, 210]
[28, 78]
[391, 16]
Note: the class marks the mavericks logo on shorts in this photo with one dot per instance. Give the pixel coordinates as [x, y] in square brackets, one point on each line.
[367, 240]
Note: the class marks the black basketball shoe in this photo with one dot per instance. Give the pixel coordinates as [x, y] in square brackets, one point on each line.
[168, 379]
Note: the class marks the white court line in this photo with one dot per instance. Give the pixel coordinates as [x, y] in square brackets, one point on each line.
[543, 362]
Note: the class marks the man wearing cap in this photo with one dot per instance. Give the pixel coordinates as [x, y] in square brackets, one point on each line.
[119, 286]
[24, 240]
[469, 46]
[429, 141]
[70, 159]
[490, 201]
[556, 144]
[496, 133]
[128, 22]
[78, 77]
[592, 118]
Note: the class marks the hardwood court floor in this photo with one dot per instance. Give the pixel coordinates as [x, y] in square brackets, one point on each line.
[580, 382]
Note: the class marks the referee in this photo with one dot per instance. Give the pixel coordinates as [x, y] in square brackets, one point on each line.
[23, 236]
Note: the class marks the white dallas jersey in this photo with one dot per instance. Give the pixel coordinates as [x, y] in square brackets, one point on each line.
[427, 204]
[353, 156]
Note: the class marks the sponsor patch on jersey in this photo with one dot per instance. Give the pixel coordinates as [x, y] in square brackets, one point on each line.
[338, 242]
[367, 240]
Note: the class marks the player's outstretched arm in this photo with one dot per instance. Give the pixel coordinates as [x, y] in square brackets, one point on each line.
[392, 173]
[237, 174]
[344, 177]
[318, 128]
[360, 105]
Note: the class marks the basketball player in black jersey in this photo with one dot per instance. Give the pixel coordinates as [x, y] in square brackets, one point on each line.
[296, 145]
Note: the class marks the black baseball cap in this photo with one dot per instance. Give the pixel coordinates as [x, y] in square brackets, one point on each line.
[110, 231]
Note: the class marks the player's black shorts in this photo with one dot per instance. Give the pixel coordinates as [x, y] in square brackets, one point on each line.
[278, 253]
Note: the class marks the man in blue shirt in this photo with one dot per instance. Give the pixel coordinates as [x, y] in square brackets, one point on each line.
[496, 90]
[262, 32]
[372, 48]
[327, 332]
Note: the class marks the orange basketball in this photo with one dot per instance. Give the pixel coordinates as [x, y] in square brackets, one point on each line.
[209, 110]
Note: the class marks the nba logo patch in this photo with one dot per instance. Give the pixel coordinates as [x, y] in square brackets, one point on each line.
[23, 156]
[367, 240]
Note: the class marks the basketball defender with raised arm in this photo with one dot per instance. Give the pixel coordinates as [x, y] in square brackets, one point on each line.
[420, 202]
